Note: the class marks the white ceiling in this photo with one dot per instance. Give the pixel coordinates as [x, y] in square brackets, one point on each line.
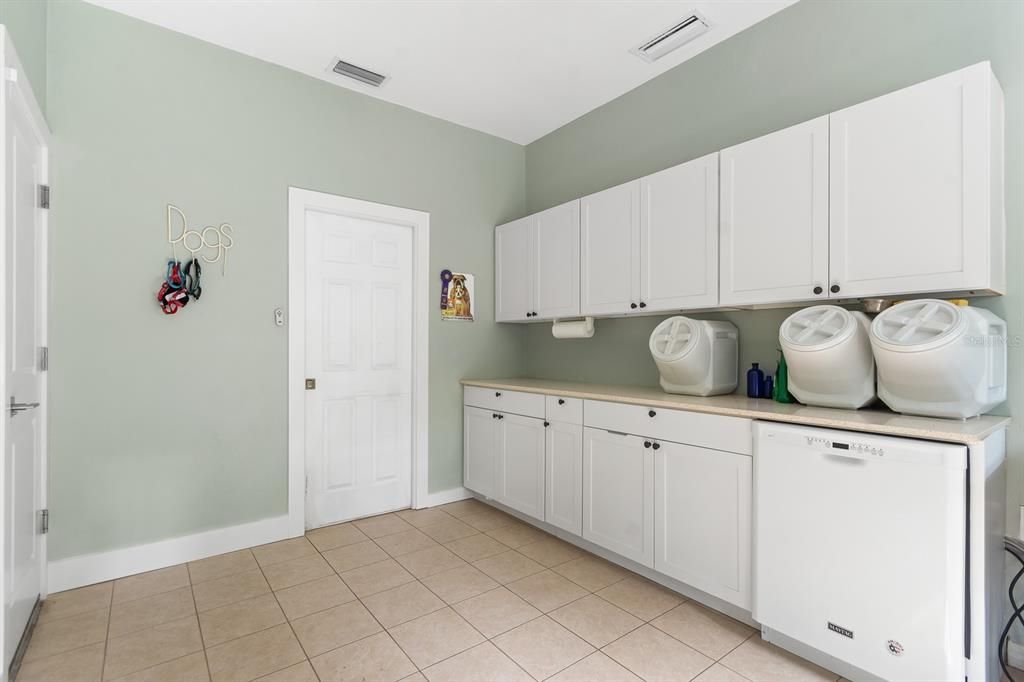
[517, 69]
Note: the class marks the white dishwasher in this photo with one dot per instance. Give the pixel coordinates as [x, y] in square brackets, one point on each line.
[861, 549]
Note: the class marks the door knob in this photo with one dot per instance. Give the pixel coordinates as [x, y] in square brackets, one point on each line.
[21, 407]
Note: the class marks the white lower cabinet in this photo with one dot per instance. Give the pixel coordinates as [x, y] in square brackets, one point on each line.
[618, 494]
[479, 449]
[702, 519]
[521, 464]
[563, 482]
[683, 510]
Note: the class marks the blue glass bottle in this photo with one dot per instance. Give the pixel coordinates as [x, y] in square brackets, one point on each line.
[755, 381]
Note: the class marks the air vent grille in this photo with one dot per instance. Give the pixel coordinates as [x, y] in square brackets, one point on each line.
[672, 38]
[360, 74]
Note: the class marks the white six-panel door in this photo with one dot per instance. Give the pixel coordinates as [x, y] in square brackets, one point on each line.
[24, 153]
[359, 349]
[609, 251]
[521, 464]
[774, 217]
[556, 277]
[679, 236]
[513, 264]
[702, 519]
[618, 494]
[910, 188]
[563, 505]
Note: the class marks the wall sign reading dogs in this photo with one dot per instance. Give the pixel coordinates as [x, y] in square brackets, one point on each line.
[210, 243]
[456, 296]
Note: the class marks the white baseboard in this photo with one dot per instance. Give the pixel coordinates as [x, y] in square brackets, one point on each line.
[446, 496]
[88, 569]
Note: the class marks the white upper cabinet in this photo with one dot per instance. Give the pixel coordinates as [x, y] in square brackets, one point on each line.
[916, 189]
[609, 251]
[679, 237]
[513, 264]
[556, 277]
[774, 217]
[537, 265]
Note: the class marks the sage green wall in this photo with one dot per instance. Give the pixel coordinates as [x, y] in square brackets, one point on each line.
[809, 59]
[163, 426]
[26, 21]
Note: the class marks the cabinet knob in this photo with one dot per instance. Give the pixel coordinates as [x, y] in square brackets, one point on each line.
[497, 394]
[817, 291]
[501, 416]
[642, 304]
[647, 443]
[632, 305]
[493, 415]
[651, 413]
[547, 423]
[655, 445]
[834, 288]
[561, 401]
[529, 314]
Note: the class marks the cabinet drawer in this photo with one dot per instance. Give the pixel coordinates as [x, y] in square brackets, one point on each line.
[513, 402]
[565, 410]
[732, 434]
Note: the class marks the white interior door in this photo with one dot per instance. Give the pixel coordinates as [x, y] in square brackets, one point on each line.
[25, 167]
[359, 326]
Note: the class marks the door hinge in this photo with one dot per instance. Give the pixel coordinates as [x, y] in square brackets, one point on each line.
[44, 196]
[310, 384]
[44, 359]
[44, 521]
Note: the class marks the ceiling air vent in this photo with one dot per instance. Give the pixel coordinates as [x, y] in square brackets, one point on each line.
[360, 74]
[672, 38]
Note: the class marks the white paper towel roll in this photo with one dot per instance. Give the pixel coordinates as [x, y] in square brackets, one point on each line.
[573, 329]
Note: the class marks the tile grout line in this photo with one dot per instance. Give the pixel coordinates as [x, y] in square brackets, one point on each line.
[287, 620]
[202, 640]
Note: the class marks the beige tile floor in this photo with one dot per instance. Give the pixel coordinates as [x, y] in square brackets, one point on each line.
[460, 592]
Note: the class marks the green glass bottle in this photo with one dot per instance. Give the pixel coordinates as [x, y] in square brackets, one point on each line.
[781, 388]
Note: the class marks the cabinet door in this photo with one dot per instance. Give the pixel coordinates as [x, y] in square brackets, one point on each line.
[702, 519]
[774, 217]
[479, 450]
[911, 192]
[521, 464]
[563, 504]
[513, 270]
[679, 236]
[618, 494]
[556, 281]
[609, 250]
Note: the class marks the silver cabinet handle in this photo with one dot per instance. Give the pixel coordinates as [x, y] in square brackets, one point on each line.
[21, 407]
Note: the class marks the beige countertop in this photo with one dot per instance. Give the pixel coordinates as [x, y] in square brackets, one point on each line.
[735, 405]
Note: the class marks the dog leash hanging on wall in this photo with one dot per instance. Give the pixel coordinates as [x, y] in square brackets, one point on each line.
[208, 245]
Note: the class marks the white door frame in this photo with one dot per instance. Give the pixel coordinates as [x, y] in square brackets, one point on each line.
[299, 201]
[13, 75]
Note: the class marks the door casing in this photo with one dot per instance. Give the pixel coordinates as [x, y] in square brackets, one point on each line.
[299, 201]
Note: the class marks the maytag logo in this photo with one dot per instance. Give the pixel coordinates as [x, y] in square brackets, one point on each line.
[841, 630]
